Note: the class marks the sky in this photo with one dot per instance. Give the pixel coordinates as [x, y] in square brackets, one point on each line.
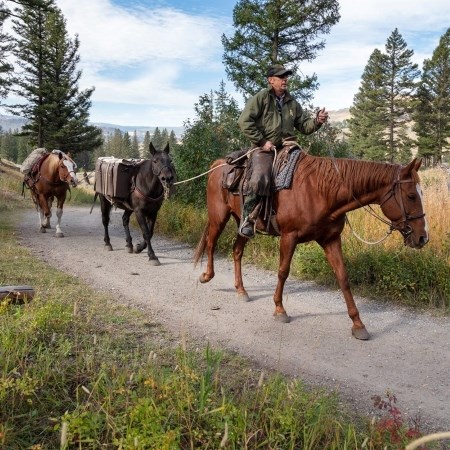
[151, 60]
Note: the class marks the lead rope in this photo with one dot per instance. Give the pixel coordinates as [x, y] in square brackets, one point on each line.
[216, 167]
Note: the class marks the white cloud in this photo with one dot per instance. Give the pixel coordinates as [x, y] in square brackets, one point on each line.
[152, 56]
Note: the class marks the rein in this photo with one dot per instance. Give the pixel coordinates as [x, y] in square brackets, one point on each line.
[406, 229]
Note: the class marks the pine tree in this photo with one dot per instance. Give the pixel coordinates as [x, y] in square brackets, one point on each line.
[367, 123]
[173, 141]
[157, 139]
[134, 153]
[6, 68]
[146, 146]
[432, 116]
[383, 105]
[402, 77]
[271, 31]
[57, 112]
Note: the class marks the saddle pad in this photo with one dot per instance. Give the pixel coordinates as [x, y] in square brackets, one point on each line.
[283, 179]
[113, 176]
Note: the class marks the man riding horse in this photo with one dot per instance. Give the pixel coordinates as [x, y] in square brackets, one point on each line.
[270, 117]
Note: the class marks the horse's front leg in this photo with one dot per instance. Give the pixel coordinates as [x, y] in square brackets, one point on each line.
[333, 252]
[238, 251]
[288, 242]
[126, 226]
[147, 225]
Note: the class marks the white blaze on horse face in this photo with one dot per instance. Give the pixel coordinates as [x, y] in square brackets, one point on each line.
[71, 168]
[419, 191]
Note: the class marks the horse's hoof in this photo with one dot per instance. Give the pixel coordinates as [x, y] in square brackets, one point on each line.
[139, 247]
[108, 247]
[243, 296]
[42, 230]
[58, 235]
[282, 317]
[154, 262]
[361, 333]
[129, 249]
[203, 278]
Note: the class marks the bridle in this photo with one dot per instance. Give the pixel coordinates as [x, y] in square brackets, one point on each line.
[395, 193]
[156, 170]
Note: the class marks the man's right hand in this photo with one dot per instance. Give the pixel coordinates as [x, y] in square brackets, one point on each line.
[268, 146]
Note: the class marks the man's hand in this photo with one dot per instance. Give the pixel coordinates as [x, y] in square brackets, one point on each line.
[322, 116]
[268, 146]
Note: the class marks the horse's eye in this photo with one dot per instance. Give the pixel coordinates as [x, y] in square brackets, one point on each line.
[412, 196]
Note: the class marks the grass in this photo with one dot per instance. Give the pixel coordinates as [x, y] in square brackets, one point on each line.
[386, 271]
[78, 371]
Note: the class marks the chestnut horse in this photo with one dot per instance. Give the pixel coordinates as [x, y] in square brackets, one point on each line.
[323, 190]
[51, 177]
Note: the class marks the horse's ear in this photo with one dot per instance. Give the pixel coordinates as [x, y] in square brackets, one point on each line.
[60, 155]
[166, 148]
[418, 164]
[152, 148]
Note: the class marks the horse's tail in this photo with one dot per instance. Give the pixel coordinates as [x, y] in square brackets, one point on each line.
[93, 203]
[200, 250]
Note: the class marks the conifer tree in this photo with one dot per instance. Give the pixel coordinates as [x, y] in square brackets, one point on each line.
[157, 139]
[6, 68]
[270, 31]
[383, 105]
[173, 141]
[432, 116]
[135, 153]
[401, 85]
[367, 123]
[146, 145]
[57, 112]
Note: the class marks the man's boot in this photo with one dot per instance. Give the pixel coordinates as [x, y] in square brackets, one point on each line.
[249, 215]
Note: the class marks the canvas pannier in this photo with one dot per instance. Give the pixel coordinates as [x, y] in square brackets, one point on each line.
[113, 176]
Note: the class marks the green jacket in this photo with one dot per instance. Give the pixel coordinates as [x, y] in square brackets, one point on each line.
[260, 120]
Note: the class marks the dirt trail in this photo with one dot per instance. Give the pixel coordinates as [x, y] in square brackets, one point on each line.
[408, 354]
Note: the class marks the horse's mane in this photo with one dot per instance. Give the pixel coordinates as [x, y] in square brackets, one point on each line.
[53, 162]
[356, 175]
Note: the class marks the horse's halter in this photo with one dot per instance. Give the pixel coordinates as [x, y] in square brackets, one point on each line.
[157, 169]
[396, 194]
[70, 170]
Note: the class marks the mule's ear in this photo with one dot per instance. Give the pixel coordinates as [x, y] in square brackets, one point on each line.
[152, 148]
[166, 148]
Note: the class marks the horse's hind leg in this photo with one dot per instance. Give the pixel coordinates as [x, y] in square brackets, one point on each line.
[333, 252]
[218, 218]
[126, 226]
[106, 211]
[59, 213]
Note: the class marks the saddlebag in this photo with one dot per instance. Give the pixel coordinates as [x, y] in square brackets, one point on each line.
[113, 176]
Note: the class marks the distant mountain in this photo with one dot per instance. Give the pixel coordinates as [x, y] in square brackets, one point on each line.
[12, 123]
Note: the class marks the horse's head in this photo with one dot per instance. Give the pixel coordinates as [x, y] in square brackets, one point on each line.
[66, 170]
[403, 205]
[163, 168]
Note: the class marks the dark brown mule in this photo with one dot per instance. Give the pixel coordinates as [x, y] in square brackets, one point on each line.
[51, 177]
[152, 181]
[323, 191]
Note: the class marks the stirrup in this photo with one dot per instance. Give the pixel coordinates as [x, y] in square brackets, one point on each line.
[247, 228]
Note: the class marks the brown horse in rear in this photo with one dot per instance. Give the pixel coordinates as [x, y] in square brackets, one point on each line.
[51, 177]
[314, 209]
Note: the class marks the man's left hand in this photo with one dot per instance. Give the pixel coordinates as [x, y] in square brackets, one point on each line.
[322, 116]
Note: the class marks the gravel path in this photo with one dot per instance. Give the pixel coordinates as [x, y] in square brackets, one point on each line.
[408, 354]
